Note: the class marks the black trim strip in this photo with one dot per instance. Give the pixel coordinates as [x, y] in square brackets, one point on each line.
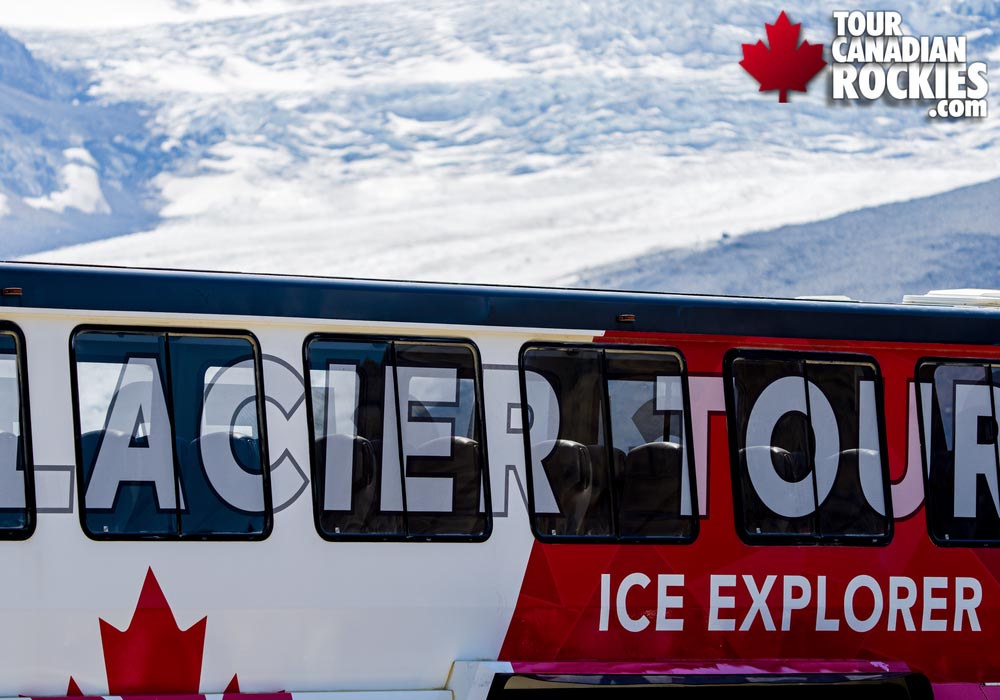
[48, 286]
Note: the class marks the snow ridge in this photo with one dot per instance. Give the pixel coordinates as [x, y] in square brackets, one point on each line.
[945, 241]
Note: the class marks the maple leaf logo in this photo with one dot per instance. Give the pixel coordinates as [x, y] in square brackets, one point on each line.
[153, 654]
[786, 65]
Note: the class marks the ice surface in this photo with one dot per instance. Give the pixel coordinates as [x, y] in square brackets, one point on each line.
[946, 241]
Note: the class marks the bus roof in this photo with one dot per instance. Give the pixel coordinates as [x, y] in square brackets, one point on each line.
[104, 288]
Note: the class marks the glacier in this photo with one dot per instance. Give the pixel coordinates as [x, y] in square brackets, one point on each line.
[556, 142]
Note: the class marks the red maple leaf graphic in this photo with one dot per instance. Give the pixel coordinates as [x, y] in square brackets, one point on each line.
[233, 689]
[786, 65]
[73, 691]
[153, 655]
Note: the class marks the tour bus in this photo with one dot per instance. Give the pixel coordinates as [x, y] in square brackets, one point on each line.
[270, 486]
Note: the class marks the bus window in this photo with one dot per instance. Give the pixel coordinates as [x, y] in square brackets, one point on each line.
[958, 433]
[809, 465]
[216, 419]
[16, 502]
[607, 442]
[397, 439]
[169, 436]
[649, 449]
[572, 489]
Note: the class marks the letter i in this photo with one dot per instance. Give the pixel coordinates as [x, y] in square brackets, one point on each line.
[605, 602]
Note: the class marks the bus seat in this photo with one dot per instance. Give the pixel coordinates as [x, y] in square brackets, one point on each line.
[460, 459]
[843, 510]
[244, 449]
[617, 464]
[651, 485]
[130, 512]
[467, 490]
[89, 443]
[603, 476]
[790, 466]
[603, 473]
[859, 451]
[363, 493]
[572, 476]
[202, 505]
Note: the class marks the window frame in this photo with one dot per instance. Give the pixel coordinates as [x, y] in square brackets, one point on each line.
[925, 466]
[814, 539]
[261, 402]
[480, 418]
[30, 505]
[688, 435]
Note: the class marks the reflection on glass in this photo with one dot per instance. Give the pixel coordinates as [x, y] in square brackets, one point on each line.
[397, 449]
[169, 451]
[13, 475]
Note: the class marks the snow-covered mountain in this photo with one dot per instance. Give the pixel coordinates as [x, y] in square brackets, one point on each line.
[946, 241]
[72, 168]
[509, 141]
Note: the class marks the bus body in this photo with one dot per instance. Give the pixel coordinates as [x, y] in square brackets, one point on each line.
[260, 484]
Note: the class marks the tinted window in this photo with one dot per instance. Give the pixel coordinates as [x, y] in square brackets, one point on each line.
[649, 449]
[16, 502]
[397, 449]
[958, 431]
[213, 384]
[809, 460]
[169, 435]
[607, 440]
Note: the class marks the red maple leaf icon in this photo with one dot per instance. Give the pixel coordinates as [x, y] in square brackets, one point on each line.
[153, 654]
[786, 65]
[154, 657]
